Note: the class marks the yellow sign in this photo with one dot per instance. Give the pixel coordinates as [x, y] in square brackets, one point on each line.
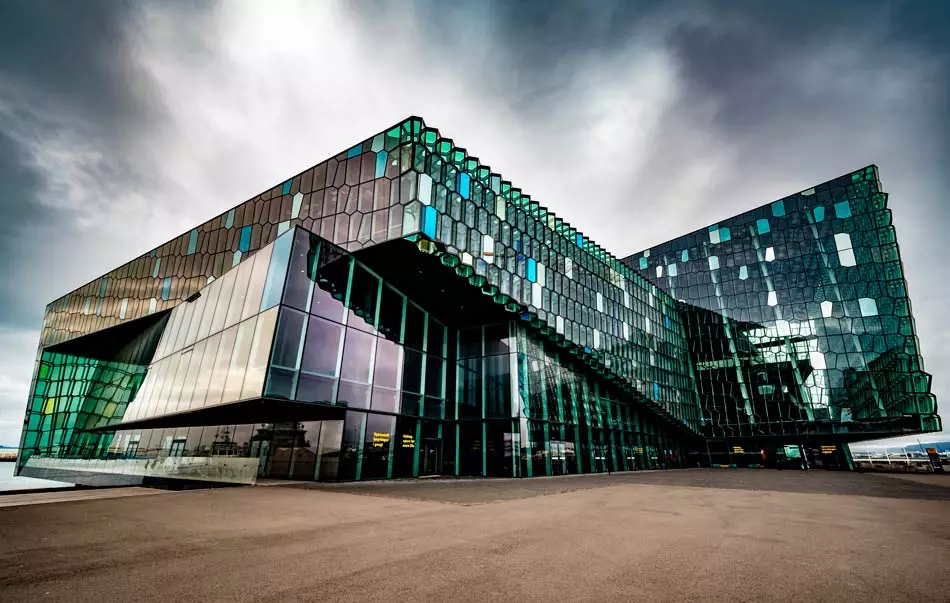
[828, 449]
[380, 439]
[737, 450]
[408, 441]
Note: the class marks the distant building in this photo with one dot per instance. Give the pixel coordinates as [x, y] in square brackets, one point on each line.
[400, 310]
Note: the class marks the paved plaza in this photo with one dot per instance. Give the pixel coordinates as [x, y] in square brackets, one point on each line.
[694, 535]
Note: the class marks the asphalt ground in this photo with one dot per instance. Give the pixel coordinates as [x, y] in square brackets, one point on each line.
[695, 535]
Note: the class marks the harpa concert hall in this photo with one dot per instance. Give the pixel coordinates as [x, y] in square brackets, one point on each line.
[401, 310]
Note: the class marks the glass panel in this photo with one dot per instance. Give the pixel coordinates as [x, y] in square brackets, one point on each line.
[226, 283]
[289, 334]
[260, 351]
[390, 313]
[357, 356]
[191, 377]
[315, 388]
[364, 292]
[415, 327]
[239, 294]
[203, 379]
[188, 310]
[412, 371]
[351, 444]
[213, 294]
[322, 350]
[301, 273]
[255, 288]
[242, 350]
[333, 277]
[388, 365]
[221, 363]
[277, 271]
[200, 304]
[174, 390]
[377, 446]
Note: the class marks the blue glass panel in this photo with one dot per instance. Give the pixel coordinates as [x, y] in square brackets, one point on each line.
[166, 287]
[245, 239]
[580, 241]
[286, 189]
[656, 391]
[429, 220]
[643, 263]
[277, 272]
[464, 184]
[778, 209]
[381, 158]
[763, 225]
[666, 321]
[192, 241]
[354, 151]
[843, 209]
[724, 235]
[684, 257]
[819, 213]
[532, 270]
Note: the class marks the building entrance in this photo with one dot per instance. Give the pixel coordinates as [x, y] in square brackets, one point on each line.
[431, 460]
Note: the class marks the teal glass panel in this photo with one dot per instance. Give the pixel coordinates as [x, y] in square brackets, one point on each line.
[245, 242]
[532, 270]
[843, 209]
[778, 209]
[166, 287]
[429, 220]
[192, 241]
[464, 185]
[762, 224]
[285, 190]
[819, 213]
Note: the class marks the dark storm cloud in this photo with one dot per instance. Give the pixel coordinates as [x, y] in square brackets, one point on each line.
[66, 85]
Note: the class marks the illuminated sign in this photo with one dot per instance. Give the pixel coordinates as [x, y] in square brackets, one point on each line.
[408, 440]
[828, 449]
[737, 450]
[380, 439]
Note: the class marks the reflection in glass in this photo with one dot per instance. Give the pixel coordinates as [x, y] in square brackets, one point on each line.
[322, 349]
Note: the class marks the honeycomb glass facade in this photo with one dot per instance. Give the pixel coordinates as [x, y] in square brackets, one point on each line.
[799, 322]
[401, 310]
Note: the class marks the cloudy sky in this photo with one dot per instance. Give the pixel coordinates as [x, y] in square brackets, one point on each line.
[124, 124]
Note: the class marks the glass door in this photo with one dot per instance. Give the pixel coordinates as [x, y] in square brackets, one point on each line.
[431, 457]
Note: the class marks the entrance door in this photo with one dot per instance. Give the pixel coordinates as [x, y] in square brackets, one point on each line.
[431, 457]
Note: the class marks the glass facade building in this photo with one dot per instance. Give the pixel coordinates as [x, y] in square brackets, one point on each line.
[800, 325]
[401, 310]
